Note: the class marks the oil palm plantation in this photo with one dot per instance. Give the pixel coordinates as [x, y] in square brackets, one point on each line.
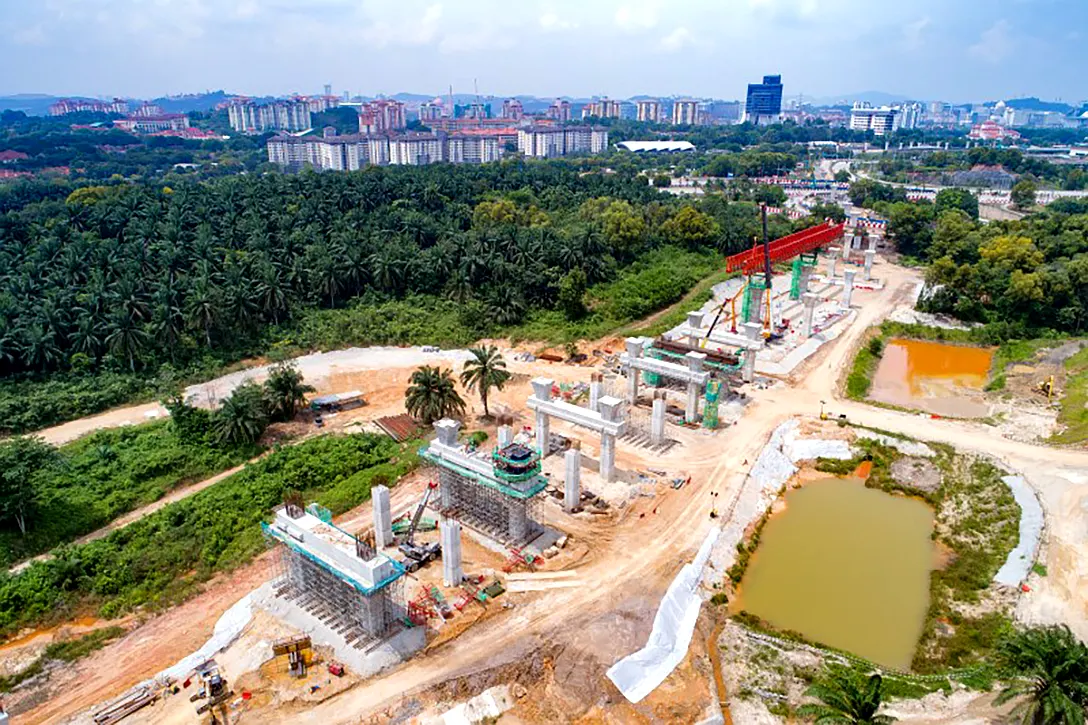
[483, 371]
[242, 418]
[1048, 668]
[846, 699]
[432, 395]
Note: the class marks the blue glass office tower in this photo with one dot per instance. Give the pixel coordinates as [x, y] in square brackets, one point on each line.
[764, 104]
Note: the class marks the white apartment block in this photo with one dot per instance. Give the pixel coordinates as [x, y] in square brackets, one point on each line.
[544, 142]
[355, 151]
[250, 117]
[881, 121]
[685, 112]
[649, 111]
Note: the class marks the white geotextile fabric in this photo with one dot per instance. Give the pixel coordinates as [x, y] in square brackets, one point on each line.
[1019, 561]
[227, 629]
[638, 674]
[809, 449]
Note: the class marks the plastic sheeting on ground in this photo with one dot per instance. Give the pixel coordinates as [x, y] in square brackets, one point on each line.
[227, 629]
[1018, 563]
[907, 448]
[638, 674]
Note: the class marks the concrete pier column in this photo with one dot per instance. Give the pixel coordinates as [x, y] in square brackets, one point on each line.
[572, 488]
[657, 419]
[806, 278]
[595, 385]
[755, 309]
[848, 288]
[695, 324]
[519, 522]
[754, 332]
[505, 435]
[447, 431]
[634, 351]
[847, 246]
[809, 301]
[832, 261]
[695, 364]
[450, 538]
[611, 409]
[383, 520]
[870, 255]
[542, 390]
[872, 243]
[446, 483]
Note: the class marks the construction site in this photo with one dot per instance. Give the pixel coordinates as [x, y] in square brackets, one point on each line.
[562, 569]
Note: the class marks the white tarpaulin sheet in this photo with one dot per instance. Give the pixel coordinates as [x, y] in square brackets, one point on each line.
[227, 629]
[637, 674]
[1018, 563]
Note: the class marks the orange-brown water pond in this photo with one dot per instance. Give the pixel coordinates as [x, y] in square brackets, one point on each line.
[934, 376]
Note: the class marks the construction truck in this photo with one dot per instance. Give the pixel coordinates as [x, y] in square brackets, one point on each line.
[416, 555]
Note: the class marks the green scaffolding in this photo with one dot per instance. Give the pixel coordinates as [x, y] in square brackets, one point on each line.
[710, 410]
[808, 259]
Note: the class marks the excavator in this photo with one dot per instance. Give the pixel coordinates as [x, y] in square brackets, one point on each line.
[419, 554]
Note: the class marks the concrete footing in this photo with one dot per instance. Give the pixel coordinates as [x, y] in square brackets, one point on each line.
[383, 522]
[572, 487]
[450, 536]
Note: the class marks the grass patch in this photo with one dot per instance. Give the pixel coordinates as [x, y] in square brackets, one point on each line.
[699, 295]
[1039, 569]
[110, 473]
[1073, 414]
[860, 379]
[65, 651]
[163, 558]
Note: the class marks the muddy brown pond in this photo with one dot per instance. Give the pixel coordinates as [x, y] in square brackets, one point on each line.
[846, 566]
[934, 377]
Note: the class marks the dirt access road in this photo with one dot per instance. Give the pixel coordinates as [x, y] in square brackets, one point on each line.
[634, 557]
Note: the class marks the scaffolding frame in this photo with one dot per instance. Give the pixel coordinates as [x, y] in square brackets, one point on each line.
[487, 508]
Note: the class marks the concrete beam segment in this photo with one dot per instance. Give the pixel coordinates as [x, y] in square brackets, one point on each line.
[657, 421]
[572, 489]
[447, 430]
[676, 371]
[809, 301]
[848, 288]
[870, 255]
[383, 520]
[596, 422]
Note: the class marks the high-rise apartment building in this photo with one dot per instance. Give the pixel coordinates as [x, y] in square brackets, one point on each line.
[354, 151]
[559, 110]
[881, 121]
[248, 117]
[430, 111]
[512, 109]
[544, 142]
[649, 111]
[685, 112]
[74, 105]
[602, 108]
[764, 103]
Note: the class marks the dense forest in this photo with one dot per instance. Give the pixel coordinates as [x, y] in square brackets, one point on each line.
[122, 278]
[1023, 278]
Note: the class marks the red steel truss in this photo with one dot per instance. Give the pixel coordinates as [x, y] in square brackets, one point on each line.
[785, 248]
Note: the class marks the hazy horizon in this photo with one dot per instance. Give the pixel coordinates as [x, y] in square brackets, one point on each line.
[966, 51]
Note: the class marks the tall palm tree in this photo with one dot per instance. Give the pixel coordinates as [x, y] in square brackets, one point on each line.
[432, 395]
[1048, 666]
[483, 371]
[285, 391]
[846, 699]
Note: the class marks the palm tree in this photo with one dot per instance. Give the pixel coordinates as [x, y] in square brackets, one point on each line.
[845, 699]
[242, 418]
[483, 371]
[285, 391]
[1048, 666]
[432, 395]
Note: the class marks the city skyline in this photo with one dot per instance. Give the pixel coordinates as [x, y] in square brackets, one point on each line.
[826, 48]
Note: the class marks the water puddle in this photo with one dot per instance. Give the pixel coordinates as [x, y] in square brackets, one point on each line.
[846, 566]
[933, 376]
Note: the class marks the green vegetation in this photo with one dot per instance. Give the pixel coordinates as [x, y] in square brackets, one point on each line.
[68, 650]
[163, 558]
[844, 697]
[432, 395]
[1048, 668]
[27, 405]
[1039, 569]
[862, 371]
[102, 476]
[484, 371]
[1073, 415]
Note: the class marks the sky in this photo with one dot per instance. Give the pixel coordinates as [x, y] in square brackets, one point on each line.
[954, 50]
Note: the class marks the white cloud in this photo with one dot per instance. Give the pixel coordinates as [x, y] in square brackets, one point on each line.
[636, 16]
[676, 40]
[551, 22]
[913, 33]
[408, 29]
[994, 45]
